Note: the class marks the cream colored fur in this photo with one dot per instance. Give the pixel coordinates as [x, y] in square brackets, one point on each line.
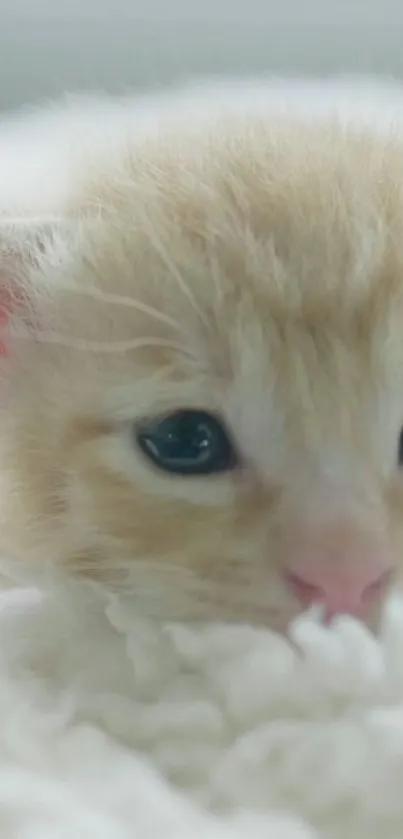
[219, 249]
[236, 247]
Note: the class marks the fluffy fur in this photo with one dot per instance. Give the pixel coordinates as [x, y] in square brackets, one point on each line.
[238, 249]
[221, 250]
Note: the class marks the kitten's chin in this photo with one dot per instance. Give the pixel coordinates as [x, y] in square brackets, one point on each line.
[283, 622]
[161, 608]
[372, 621]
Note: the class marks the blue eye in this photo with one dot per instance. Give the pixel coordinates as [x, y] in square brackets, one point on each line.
[187, 442]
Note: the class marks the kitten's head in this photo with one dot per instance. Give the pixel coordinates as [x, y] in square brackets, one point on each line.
[202, 376]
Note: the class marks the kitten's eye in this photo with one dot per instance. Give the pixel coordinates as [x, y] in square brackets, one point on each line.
[188, 443]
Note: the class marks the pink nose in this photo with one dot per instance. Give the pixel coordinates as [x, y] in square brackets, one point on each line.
[352, 591]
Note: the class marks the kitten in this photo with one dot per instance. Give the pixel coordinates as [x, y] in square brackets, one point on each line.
[202, 349]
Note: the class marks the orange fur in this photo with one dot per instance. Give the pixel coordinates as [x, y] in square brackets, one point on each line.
[257, 271]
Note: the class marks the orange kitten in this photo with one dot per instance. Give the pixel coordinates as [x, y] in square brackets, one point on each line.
[202, 358]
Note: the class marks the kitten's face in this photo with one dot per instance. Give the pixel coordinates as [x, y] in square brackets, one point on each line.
[224, 426]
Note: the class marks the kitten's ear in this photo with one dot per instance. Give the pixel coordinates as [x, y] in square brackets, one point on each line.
[25, 246]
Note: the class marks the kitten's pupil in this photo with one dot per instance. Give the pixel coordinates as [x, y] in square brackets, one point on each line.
[187, 442]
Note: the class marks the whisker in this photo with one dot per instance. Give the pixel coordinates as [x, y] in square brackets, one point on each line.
[215, 274]
[145, 576]
[22, 222]
[127, 302]
[173, 270]
[85, 345]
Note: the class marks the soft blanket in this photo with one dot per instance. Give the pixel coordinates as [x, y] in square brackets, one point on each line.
[115, 727]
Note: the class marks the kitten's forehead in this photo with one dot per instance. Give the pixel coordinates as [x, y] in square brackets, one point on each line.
[318, 199]
[250, 236]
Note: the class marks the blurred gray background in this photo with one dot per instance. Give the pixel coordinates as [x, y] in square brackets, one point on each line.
[49, 46]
